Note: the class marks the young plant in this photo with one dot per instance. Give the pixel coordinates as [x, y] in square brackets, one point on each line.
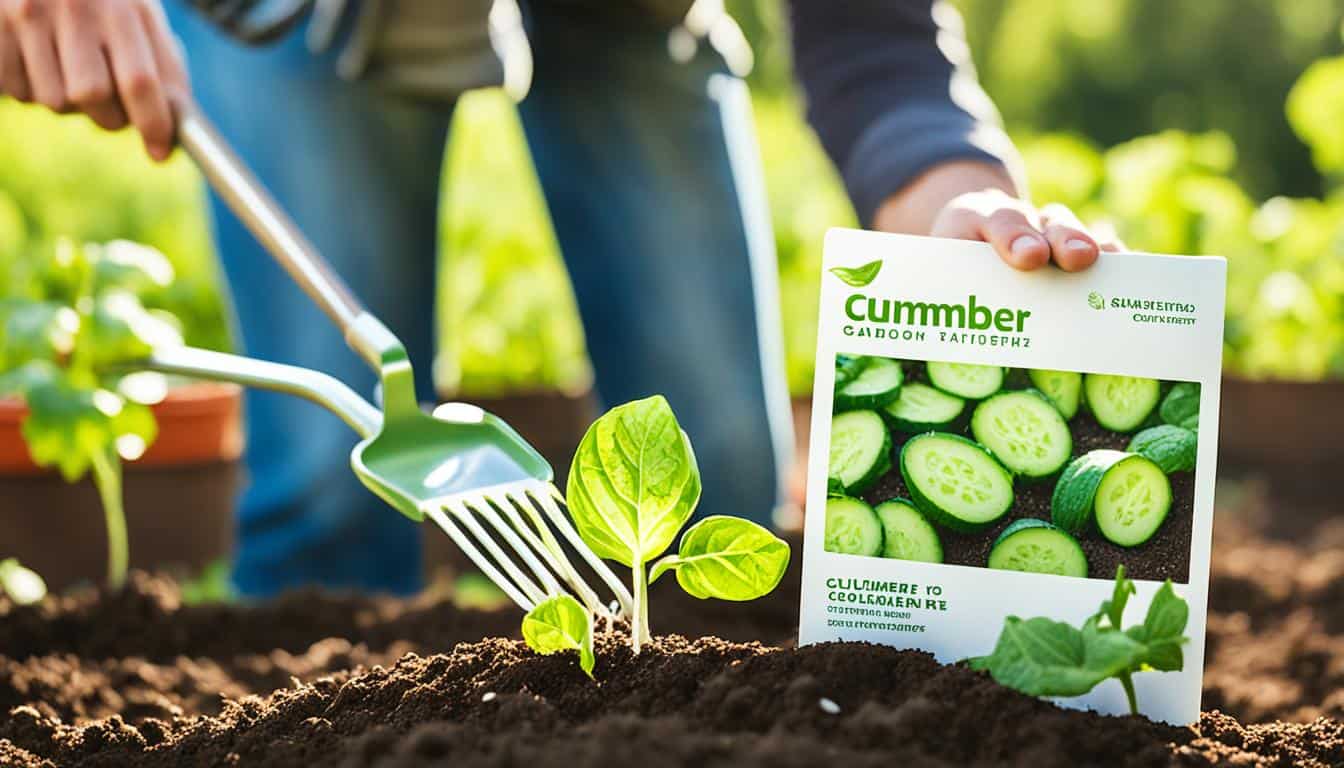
[632, 487]
[561, 623]
[62, 344]
[1043, 657]
[22, 585]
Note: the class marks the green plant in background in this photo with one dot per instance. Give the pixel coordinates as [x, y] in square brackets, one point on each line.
[1044, 657]
[74, 315]
[63, 178]
[632, 487]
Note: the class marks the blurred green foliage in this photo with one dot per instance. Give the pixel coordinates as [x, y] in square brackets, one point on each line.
[1170, 121]
[64, 178]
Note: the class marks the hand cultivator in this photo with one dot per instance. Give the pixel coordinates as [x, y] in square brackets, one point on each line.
[463, 468]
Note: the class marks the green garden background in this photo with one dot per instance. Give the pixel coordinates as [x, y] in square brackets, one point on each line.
[1190, 126]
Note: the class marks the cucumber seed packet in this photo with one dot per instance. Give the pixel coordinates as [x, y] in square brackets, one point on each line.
[991, 449]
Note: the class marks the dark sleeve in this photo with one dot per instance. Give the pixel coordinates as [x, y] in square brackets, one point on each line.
[891, 91]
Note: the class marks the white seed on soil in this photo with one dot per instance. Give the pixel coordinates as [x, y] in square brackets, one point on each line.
[828, 706]
[488, 697]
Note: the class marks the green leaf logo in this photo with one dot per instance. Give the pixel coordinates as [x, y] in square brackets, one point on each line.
[858, 276]
[1095, 300]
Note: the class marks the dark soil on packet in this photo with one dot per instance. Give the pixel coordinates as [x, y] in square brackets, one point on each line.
[311, 679]
[1165, 556]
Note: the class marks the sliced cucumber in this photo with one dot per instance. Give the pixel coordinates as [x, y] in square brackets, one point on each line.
[852, 527]
[1064, 388]
[1120, 403]
[972, 382]
[877, 385]
[1071, 503]
[847, 367]
[921, 408]
[955, 482]
[1132, 501]
[1035, 546]
[860, 450]
[1024, 431]
[906, 534]
[1170, 447]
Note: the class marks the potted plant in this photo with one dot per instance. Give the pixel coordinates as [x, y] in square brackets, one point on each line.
[72, 319]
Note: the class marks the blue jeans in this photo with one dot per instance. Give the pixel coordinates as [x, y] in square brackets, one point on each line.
[630, 148]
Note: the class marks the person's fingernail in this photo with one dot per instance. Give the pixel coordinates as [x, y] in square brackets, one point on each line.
[1078, 245]
[1022, 245]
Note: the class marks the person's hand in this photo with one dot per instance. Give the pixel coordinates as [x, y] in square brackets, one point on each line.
[975, 201]
[114, 60]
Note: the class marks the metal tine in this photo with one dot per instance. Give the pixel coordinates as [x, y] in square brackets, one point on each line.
[490, 508]
[459, 506]
[547, 498]
[436, 513]
[517, 497]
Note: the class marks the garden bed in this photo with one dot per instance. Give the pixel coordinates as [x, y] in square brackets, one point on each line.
[310, 679]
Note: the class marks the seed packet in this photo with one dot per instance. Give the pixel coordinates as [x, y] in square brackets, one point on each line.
[990, 446]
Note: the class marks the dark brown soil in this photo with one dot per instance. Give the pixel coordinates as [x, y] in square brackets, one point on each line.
[1165, 556]
[308, 680]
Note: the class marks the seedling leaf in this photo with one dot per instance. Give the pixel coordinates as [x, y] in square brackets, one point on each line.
[858, 276]
[557, 624]
[727, 558]
[1044, 657]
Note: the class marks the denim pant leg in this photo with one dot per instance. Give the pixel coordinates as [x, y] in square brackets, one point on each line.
[360, 175]
[639, 178]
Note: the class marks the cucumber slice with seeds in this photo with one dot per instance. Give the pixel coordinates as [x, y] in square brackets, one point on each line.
[860, 450]
[1132, 501]
[921, 408]
[1024, 431]
[1121, 403]
[1035, 546]
[906, 534]
[972, 382]
[852, 527]
[955, 482]
[877, 385]
[1071, 503]
[1064, 388]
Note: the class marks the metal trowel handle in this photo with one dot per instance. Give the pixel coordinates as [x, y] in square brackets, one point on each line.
[274, 229]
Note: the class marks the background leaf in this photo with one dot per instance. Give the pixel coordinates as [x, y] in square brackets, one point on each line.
[558, 624]
[727, 558]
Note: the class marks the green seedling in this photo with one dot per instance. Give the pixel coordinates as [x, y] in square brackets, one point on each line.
[1044, 657]
[61, 345]
[632, 487]
[561, 623]
[22, 585]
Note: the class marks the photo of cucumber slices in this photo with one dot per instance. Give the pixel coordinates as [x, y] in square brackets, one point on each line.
[921, 408]
[965, 380]
[893, 529]
[1040, 471]
[1025, 431]
[1035, 546]
[956, 482]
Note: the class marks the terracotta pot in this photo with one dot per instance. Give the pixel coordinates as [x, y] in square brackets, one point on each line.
[179, 496]
[1287, 431]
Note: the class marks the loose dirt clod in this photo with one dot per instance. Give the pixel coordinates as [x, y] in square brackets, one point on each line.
[139, 679]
